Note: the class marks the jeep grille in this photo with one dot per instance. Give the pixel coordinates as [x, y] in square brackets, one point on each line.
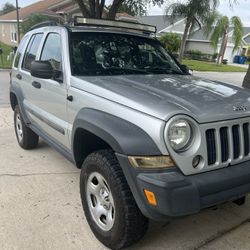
[228, 144]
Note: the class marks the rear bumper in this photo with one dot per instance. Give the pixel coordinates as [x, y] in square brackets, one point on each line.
[179, 195]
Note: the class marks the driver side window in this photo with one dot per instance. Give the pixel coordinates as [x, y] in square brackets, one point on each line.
[52, 51]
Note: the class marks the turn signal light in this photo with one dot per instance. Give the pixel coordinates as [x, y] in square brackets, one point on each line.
[151, 162]
[150, 197]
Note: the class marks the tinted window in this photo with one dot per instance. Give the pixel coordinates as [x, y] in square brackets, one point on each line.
[31, 51]
[20, 51]
[52, 50]
[118, 54]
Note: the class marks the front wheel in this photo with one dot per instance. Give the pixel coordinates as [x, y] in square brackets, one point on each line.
[26, 138]
[108, 203]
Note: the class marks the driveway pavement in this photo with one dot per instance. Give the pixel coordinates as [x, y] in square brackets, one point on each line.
[40, 205]
[4, 88]
[235, 78]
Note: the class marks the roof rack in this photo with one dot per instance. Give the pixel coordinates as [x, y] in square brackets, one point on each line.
[145, 28]
[44, 24]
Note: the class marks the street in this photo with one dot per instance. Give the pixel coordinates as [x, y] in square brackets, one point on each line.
[40, 205]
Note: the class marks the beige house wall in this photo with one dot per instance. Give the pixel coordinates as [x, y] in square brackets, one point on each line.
[8, 33]
[204, 47]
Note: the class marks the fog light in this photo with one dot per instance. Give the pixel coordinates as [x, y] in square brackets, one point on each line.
[150, 197]
[197, 161]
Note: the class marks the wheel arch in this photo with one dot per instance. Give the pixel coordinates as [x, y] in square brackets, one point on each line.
[13, 100]
[94, 130]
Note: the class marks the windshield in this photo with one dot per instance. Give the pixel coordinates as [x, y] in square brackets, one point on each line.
[118, 54]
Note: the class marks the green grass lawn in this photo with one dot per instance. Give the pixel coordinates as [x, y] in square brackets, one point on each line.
[6, 51]
[206, 66]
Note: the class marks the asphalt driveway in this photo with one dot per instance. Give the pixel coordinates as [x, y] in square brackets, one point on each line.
[40, 205]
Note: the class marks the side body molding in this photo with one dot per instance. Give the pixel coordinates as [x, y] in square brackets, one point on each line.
[124, 137]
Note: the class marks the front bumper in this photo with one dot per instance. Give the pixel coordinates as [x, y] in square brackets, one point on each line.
[179, 195]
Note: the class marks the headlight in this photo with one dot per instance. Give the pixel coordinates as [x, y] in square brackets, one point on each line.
[179, 134]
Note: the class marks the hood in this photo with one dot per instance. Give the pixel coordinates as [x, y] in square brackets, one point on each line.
[163, 96]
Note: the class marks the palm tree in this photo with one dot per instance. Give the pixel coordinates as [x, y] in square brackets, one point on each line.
[195, 11]
[222, 30]
[246, 82]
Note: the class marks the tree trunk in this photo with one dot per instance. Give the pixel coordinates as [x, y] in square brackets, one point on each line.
[184, 40]
[99, 6]
[83, 8]
[246, 82]
[92, 5]
[224, 47]
[114, 8]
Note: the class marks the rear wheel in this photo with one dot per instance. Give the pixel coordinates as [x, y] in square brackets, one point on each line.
[26, 138]
[108, 203]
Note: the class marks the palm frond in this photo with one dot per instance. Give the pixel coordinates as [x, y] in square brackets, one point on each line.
[237, 31]
[220, 28]
[209, 20]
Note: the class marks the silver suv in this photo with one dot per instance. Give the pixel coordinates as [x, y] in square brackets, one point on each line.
[151, 140]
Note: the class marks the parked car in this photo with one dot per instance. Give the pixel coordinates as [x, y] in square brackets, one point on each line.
[151, 140]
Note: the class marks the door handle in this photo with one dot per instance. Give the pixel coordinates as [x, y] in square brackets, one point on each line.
[70, 98]
[36, 85]
[19, 77]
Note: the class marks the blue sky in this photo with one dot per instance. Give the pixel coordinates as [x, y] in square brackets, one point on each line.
[241, 9]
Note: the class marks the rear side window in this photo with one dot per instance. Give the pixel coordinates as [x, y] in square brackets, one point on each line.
[52, 50]
[20, 51]
[31, 51]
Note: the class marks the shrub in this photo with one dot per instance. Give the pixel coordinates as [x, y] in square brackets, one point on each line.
[171, 42]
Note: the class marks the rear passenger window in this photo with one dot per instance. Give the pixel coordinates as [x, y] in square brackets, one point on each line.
[20, 51]
[31, 51]
[52, 51]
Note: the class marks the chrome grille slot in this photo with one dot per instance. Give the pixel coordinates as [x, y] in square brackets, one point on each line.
[236, 141]
[246, 138]
[224, 144]
[228, 144]
[211, 146]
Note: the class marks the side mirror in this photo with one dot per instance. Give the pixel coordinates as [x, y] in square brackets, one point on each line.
[44, 70]
[186, 69]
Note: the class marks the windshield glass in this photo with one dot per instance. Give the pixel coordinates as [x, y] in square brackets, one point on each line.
[118, 54]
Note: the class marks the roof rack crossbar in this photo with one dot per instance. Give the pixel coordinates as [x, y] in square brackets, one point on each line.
[44, 24]
[82, 21]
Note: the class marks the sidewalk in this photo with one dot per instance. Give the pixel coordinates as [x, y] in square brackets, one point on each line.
[239, 65]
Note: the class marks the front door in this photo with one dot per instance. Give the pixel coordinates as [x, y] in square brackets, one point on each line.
[47, 104]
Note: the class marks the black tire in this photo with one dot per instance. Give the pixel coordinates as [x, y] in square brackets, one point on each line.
[28, 139]
[130, 225]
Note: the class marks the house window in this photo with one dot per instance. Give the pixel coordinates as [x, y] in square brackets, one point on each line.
[13, 33]
[13, 37]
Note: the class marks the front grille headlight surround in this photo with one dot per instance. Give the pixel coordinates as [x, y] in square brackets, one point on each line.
[181, 134]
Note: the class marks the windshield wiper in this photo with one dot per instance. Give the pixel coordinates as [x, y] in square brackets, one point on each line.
[126, 70]
[163, 70]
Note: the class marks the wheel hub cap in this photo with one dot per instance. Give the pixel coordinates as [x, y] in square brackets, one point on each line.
[100, 201]
[19, 127]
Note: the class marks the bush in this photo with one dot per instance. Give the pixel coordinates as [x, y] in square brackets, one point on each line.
[171, 42]
[194, 52]
[33, 20]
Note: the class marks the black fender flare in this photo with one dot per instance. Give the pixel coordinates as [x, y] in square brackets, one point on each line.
[17, 91]
[122, 136]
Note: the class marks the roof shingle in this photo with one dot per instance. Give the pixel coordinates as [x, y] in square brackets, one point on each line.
[25, 12]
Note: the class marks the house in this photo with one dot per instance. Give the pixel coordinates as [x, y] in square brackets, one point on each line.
[197, 40]
[53, 8]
